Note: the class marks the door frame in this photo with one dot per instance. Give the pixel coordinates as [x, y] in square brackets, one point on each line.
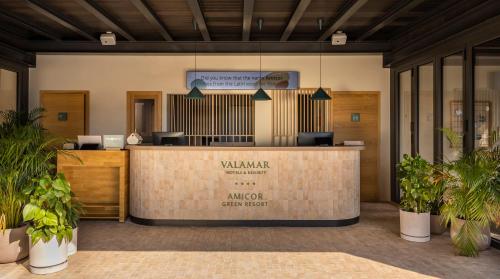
[156, 96]
[86, 97]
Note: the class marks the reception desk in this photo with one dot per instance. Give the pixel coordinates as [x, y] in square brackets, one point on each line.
[256, 186]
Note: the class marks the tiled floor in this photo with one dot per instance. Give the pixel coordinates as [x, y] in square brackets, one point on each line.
[370, 249]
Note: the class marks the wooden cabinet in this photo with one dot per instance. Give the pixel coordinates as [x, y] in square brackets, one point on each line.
[99, 179]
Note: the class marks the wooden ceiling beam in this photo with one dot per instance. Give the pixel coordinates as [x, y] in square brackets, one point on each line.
[394, 13]
[200, 20]
[98, 12]
[43, 9]
[248, 6]
[29, 26]
[346, 12]
[207, 47]
[478, 24]
[151, 16]
[297, 15]
[16, 55]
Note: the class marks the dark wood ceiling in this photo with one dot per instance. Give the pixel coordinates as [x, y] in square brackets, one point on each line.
[223, 18]
[397, 28]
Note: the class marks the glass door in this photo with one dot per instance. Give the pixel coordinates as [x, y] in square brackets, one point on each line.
[426, 111]
[487, 102]
[453, 107]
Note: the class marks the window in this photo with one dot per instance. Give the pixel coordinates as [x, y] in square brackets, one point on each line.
[426, 111]
[486, 96]
[453, 112]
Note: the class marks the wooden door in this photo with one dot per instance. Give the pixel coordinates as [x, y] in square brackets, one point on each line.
[154, 124]
[355, 116]
[66, 113]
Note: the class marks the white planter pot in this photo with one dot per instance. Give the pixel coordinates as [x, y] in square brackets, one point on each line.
[48, 257]
[484, 239]
[73, 245]
[437, 224]
[415, 226]
[13, 244]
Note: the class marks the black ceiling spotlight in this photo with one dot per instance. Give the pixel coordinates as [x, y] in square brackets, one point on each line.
[260, 95]
[195, 93]
[320, 94]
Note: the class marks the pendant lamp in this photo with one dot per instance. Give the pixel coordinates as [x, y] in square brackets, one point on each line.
[195, 93]
[320, 94]
[260, 95]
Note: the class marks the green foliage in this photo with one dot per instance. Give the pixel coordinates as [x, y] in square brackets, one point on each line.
[26, 152]
[48, 208]
[437, 193]
[415, 180]
[74, 210]
[11, 201]
[472, 193]
[453, 138]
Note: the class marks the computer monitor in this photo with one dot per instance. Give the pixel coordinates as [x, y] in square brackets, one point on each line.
[315, 139]
[169, 138]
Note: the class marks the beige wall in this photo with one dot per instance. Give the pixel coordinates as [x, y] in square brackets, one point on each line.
[108, 77]
[8, 90]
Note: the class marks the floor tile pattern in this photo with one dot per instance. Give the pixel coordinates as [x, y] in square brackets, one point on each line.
[370, 249]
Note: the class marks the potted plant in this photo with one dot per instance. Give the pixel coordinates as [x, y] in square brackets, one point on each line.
[438, 224]
[415, 179]
[49, 231]
[13, 240]
[74, 210]
[472, 198]
[26, 152]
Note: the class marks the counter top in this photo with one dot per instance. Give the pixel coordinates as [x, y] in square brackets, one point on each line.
[253, 148]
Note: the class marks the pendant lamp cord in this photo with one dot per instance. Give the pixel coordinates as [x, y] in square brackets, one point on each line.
[195, 68]
[260, 65]
[320, 56]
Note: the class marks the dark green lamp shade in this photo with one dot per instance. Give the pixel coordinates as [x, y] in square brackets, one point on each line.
[320, 95]
[195, 94]
[261, 95]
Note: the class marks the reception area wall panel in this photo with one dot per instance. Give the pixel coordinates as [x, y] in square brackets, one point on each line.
[109, 76]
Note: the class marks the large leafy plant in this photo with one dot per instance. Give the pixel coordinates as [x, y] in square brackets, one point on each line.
[26, 152]
[415, 180]
[46, 212]
[472, 194]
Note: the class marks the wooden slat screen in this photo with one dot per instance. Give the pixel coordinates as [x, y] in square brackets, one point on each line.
[216, 118]
[293, 112]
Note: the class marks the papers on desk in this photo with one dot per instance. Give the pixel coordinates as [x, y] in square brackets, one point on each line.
[353, 142]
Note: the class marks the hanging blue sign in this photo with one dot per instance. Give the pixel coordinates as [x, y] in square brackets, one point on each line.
[242, 80]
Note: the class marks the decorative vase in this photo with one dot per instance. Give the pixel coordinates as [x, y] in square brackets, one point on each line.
[484, 239]
[48, 257]
[134, 138]
[415, 226]
[73, 244]
[437, 224]
[13, 244]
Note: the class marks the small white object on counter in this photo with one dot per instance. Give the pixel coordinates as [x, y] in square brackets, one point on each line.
[134, 138]
[354, 142]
